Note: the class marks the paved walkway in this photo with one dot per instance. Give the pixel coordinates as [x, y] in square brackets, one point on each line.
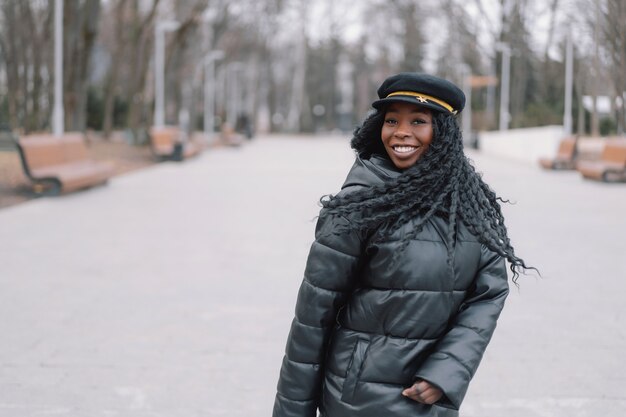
[170, 291]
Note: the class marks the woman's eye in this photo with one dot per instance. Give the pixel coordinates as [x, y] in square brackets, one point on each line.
[390, 121]
[418, 122]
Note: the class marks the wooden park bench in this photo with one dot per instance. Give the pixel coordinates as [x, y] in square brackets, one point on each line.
[612, 164]
[167, 144]
[565, 156]
[60, 164]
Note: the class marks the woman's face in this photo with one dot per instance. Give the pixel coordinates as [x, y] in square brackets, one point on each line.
[407, 132]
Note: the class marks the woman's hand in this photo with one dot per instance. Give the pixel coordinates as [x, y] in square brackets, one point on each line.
[423, 392]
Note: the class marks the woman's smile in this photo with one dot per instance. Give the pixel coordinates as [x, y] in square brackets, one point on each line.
[404, 149]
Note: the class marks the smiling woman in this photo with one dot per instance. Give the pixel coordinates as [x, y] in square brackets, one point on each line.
[406, 278]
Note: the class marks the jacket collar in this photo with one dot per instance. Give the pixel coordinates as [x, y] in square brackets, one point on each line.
[370, 172]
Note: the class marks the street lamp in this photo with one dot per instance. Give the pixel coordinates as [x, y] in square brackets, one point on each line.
[233, 85]
[159, 68]
[505, 84]
[57, 112]
[569, 80]
[209, 90]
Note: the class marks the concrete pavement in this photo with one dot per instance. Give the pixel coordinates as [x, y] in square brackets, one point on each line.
[170, 291]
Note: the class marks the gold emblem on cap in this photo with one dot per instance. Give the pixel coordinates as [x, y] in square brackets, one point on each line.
[421, 99]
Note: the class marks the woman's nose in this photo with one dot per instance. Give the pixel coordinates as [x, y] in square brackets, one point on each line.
[402, 130]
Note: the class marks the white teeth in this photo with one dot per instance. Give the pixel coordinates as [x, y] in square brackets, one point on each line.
[404, 149]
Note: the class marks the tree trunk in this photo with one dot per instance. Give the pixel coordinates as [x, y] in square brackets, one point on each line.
[89, 34]
[112, 77]
[31, 121]
[141, 45]
[595, 119]
[553, 9]
[9, 48]
[298, 88]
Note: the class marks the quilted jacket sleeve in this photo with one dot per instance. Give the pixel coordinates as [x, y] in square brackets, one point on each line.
[455, 359]
[328, 278]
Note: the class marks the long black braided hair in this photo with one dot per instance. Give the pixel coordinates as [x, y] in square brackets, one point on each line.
[442, 182]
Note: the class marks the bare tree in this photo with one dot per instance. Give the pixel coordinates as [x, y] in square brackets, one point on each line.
[408, 12]
[80, 28]
[299, 101]
[140, 45]
[119, 13]
[613, 16]
[460, 46]
[24, 40]
[552, 10]
[515, 33]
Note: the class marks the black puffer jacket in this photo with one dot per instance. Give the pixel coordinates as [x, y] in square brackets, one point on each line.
[363, 331]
